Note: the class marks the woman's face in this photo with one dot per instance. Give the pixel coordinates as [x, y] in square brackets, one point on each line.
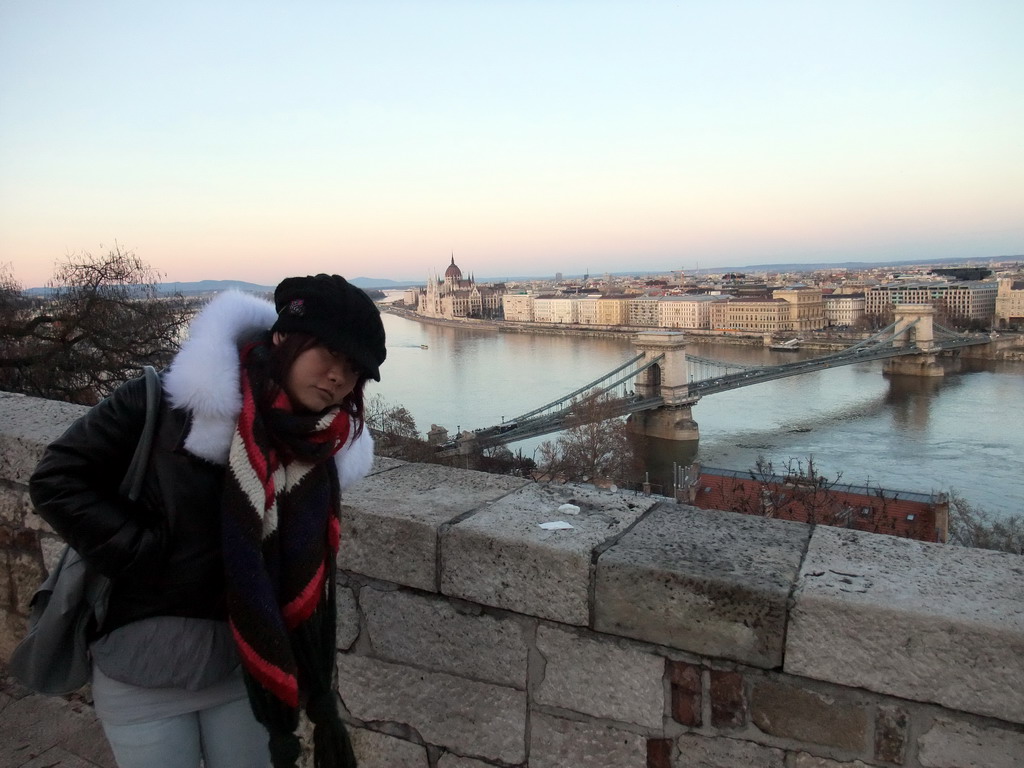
[319, 378]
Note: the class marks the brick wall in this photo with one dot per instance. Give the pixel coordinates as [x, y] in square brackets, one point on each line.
[648, 634]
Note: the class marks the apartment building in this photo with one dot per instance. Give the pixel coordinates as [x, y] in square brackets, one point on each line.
[643, 311]
[518, 307]
[843, 310]
[1010, 303]
[555, 309]
[613, 310]
[970, 300]
[754, 315]
[687, 311]
[806, 308]
[586, 310]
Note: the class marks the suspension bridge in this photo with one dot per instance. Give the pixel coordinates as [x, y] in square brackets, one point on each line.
[662, 382]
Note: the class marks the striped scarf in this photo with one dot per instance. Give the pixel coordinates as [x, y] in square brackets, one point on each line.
[280, 537]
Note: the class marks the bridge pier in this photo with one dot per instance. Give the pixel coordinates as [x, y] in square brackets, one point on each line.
[669, 422]
[666, 379]
[914, 365]
[914, 326]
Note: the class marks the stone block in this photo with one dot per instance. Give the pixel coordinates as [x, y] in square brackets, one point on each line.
[791, 712]
[27, 426]
[807, 760]
[51, 548]
[347, 628]
[659, 753]
[385, 463]
[473, 719]
[953, 744]
[702, 752]
[926, 622]
[12, 629]
[390, 520]
[728, 701]
[449, 760]
[35, 725]
[26, 576]
[891, 734]
[15, 505]
[687, 688]
[378, 750]
[559, 743]
[502, 557]
[601, 676]
[713, 583]
[57, 756]
[431, 632]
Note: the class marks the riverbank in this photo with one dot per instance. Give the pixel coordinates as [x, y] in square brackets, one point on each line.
[1006, 348]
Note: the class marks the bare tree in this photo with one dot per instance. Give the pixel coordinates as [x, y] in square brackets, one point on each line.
[971, 526]
[394, 429]
[795, 491]
[595, 446]
[100, 321]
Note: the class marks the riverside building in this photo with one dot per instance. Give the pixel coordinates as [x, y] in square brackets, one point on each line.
[1010, 303]
[844, 310]
[454, 296]
[968, 300]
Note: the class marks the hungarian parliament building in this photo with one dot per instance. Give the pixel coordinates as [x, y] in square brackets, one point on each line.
[454, 296]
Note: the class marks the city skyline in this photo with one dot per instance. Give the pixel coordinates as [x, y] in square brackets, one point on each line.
[232, 141]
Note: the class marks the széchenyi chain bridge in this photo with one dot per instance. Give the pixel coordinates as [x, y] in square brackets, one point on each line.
[662, 382]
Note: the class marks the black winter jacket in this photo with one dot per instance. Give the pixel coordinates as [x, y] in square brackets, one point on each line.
[162, 553]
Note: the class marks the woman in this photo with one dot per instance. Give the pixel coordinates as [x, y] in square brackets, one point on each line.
[229, 555]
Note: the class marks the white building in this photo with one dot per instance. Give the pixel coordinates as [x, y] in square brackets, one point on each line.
[844, 310]
[586, 310]
[518, 307]
[686, 311]
[1010, 303]
[967, 300]
[554, 309]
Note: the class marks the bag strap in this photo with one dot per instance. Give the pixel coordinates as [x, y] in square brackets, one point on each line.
[131, 486]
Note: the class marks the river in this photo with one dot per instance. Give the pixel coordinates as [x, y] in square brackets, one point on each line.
[960, 432]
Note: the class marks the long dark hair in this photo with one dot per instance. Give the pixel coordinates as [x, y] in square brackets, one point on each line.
[279, 360]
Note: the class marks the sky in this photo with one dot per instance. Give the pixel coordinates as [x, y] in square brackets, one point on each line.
[254, 140]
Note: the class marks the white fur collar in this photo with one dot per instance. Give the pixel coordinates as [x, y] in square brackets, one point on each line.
[203, 379]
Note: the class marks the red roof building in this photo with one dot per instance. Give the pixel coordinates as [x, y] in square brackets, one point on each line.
[809, 498]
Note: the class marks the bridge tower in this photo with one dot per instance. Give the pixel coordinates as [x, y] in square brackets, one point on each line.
[915, 326]
[665, 379]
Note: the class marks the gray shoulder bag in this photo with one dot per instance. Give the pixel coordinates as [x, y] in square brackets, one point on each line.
[53, 658]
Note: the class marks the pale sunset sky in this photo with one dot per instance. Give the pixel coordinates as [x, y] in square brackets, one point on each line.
[253, 140]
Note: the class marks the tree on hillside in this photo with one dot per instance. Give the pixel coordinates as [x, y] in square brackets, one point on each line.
[100, 321]
[395, 433]
[595, 446]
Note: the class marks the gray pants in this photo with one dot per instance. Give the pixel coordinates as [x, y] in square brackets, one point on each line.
[225, 736]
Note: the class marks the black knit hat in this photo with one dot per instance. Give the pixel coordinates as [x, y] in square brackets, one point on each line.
[340, 315]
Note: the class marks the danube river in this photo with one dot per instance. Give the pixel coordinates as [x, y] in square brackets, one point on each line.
[960, 432]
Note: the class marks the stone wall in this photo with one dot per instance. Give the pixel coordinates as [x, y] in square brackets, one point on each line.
[647, 634]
